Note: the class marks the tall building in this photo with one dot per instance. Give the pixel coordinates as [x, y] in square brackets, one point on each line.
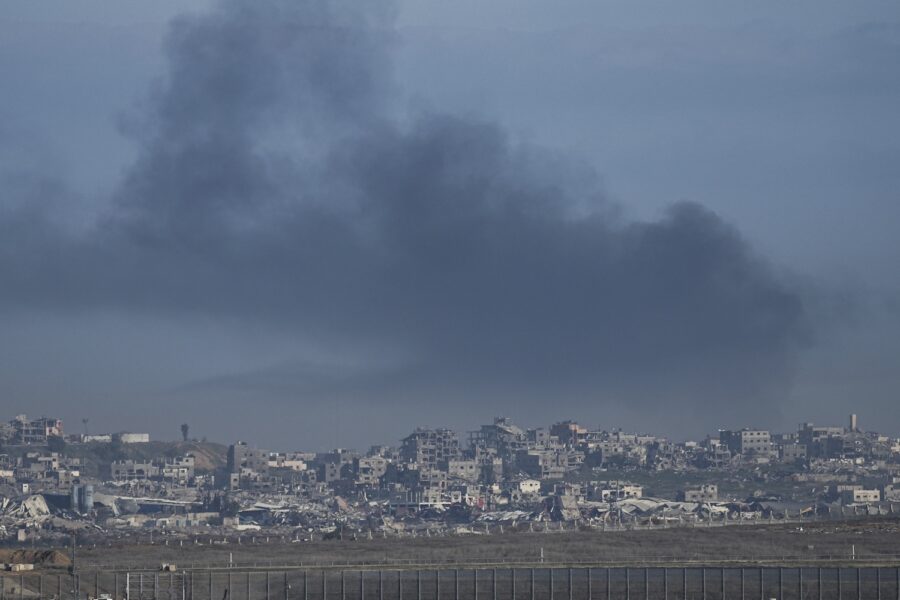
[37, 431]
[747, 441]
[502, 436]
[430, 448]
[241, 456]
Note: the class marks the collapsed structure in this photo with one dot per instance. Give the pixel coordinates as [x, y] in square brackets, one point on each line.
[503, 476]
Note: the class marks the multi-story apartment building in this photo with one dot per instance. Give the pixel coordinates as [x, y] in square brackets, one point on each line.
[179, 469]
[242, 457]
[467, 470]
[430, 448]
[35, 431]
[543, 464]
[370, 470]
[747, 442]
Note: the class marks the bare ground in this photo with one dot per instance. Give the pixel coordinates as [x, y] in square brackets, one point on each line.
[870, 542]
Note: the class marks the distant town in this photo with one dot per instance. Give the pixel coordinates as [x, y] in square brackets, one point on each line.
[436, 481]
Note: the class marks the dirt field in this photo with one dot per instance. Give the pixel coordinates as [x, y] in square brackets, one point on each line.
[48, 558]
[871, 542]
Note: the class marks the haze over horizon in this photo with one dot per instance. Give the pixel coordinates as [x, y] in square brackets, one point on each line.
[318, 224]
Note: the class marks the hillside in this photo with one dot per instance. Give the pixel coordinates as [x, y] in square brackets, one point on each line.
[96, 457]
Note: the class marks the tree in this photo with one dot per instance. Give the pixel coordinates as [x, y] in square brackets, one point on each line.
[117, 448]
[184, 431]
[56, 444]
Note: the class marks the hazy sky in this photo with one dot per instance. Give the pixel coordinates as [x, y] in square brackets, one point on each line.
[309, 224]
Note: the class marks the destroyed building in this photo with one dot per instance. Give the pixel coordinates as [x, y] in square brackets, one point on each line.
[747, 442]
[31, 432]
[504, 475]
[430, 448]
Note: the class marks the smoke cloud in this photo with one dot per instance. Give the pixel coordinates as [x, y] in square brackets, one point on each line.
[279, 182]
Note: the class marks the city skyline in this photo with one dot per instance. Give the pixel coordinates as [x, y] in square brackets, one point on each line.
[187, 432]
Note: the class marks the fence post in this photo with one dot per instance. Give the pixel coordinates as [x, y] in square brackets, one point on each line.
[494, 584]
[343, 594]
[858, 583]
[723, 583]
[456, 583]
[646, 583]
[627, 585]
[324, 584]
[475, 584]
[703, 584]
[380, 584]
[210, 586]
[589, 595]
[399, 585]
[532, 583]
[839, 583]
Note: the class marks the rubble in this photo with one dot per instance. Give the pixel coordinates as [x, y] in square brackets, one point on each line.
[506, 478]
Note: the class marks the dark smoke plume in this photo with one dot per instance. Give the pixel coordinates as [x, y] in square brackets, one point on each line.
[278, 183]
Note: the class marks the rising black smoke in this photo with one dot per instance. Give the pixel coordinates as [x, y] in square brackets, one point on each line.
[277, 182]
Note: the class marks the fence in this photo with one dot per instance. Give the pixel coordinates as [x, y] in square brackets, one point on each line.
[548, 583]
[848, 557]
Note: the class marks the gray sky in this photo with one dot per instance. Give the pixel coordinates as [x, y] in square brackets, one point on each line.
[308, 225]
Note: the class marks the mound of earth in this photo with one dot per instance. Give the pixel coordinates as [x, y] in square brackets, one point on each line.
[47, 558]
